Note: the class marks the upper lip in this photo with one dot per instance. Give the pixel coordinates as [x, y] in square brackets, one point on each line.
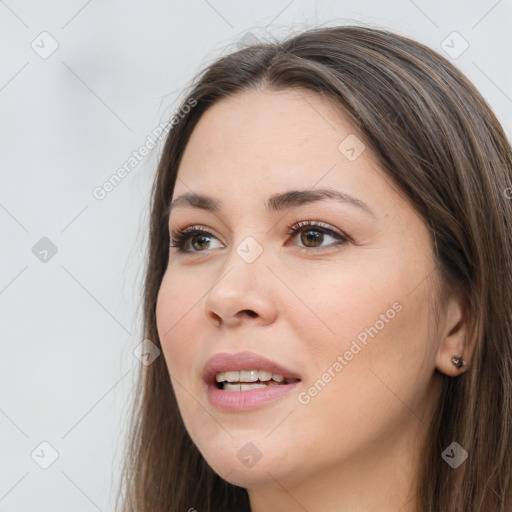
[224, 362]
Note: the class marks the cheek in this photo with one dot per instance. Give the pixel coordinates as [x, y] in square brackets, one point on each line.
[378, 386]
[177, 314]
[379, 335]
[390, 319]
[347, 302]
[177, 306]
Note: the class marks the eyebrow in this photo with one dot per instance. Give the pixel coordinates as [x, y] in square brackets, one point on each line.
[276, 203]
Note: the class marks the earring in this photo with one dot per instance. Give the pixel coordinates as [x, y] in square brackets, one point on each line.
[458, 362]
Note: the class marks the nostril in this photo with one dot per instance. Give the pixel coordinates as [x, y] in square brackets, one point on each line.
[250, 312]
[213, 316]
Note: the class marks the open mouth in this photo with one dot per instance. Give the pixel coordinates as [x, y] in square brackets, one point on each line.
[247, 380]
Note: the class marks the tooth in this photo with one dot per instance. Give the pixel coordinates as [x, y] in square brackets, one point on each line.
[232, 376]
[249, 376]
[248, 387]
[264, 375]
[231, 387]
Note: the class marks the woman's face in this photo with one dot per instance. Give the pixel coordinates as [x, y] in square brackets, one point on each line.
[334, 289]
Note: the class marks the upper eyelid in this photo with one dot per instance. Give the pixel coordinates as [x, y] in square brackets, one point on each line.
[302, 224]
[296, 227]
[193, 228]
[327, 228]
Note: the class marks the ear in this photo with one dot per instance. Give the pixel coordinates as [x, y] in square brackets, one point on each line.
[456, 338]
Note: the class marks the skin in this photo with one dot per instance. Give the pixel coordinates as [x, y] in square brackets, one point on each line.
[355, 445]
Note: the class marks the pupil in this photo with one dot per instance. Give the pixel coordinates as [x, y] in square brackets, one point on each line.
[204, 240]
[311, 236]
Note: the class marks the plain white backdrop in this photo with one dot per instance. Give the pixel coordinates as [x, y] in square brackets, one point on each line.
[82, 86]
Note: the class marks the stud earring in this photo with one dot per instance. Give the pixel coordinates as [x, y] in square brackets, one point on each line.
[458, 362]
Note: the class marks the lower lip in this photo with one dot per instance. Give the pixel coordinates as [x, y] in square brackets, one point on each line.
[247, 400]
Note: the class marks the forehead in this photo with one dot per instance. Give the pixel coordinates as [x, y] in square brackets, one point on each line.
[252, 145]
[267, 135]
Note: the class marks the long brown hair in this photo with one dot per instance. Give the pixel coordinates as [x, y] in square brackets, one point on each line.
[436, 137]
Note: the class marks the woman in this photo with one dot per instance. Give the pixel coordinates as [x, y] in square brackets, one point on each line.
[329, 282]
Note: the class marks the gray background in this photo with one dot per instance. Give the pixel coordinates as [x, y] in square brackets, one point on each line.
[71, 320]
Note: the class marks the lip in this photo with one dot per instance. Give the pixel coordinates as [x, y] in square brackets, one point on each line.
[244, 400]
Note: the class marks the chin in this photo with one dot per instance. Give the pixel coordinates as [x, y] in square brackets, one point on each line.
[243, 464]
[260, 475]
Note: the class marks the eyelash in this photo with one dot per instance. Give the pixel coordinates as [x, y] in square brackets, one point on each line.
[181, 237]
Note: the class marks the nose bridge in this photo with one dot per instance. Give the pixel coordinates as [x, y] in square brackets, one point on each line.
[244, 266]
[242, 283]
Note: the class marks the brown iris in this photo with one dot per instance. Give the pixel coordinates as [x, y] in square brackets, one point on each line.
[311, 237]
[204, 241]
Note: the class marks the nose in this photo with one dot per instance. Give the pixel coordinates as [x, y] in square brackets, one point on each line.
[242, 293]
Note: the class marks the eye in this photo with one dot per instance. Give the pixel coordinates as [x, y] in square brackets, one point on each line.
[193, 236]
[313, 235]
[195, 239]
